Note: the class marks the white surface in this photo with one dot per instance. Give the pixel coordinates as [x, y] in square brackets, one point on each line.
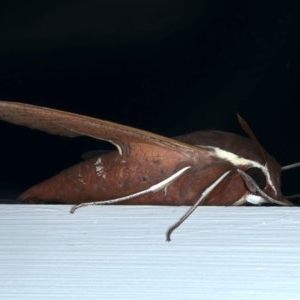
[119, 252]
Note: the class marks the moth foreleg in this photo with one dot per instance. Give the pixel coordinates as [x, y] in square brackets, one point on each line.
[254, 188]
[152, 189]
[203, 196]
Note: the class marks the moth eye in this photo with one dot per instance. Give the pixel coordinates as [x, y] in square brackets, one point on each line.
[258, 176]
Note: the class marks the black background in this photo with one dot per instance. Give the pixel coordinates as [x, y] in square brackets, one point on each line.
[169, 67]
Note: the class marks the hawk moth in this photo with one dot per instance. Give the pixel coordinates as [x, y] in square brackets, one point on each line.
[200, 168]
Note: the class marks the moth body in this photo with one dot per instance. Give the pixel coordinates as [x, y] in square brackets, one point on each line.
[107, 177]
[111, 176]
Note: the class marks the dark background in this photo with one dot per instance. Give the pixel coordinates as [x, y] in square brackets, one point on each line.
[170, 67]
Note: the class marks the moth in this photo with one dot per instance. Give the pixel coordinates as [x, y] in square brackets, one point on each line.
[200, 168]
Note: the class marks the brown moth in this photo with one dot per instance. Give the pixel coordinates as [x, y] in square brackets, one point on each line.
[201, 168]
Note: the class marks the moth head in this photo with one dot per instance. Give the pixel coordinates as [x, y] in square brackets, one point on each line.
[262, 185]
[250, 181]
[262, 177]
[255, 176]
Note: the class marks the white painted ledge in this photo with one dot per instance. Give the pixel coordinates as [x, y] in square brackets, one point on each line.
[119, 252]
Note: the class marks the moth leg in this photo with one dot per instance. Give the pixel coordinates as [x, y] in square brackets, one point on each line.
[254, 188]
[152, 189]
[203, 196]
[240, 202]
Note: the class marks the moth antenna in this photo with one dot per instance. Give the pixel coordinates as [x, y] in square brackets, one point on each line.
[295, 196]
[152, 189]
[203, 196]
[254, 188]
[289, 167]
[252, 136]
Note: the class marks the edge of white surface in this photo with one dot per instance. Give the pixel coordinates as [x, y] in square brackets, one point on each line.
[119, 252]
